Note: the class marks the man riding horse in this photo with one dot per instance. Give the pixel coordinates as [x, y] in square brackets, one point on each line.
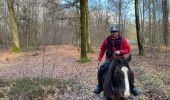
[113, 44]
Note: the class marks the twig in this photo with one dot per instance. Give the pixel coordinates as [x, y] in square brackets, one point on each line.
[165, 55]
[42, 72]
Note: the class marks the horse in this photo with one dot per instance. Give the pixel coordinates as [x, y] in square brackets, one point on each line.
[118, 80]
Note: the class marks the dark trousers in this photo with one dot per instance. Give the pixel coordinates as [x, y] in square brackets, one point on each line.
[102, 69]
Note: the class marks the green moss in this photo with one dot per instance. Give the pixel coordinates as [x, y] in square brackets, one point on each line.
[84, 59]
[16, 49]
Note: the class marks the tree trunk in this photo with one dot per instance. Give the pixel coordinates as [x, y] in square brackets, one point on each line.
[150, 28]
[154, 23]
[13, 25]
[120, 11]
[140, 45]
[142, 22]
[77, 24]
[83, 29]
[165, 21]
[89, 48]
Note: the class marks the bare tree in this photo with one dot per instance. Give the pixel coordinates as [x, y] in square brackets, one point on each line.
[140, 45]
[89, 48]
[142, 21]
[165, 21]
[14, 27]
[83, 28]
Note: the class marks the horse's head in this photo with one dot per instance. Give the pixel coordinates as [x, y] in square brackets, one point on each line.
[117, 80]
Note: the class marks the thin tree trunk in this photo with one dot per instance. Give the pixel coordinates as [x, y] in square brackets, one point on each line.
[140, 45]
[77, 24]
[89, 48]
[120, 14]
[154, 23]
[165, 21]
[13, 24]
[150, 29]
[143, 21]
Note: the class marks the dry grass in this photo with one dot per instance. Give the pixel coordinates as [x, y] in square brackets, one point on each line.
[60, 62]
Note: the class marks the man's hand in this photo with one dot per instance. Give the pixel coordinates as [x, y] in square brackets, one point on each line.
[117, 52]
[98, 64]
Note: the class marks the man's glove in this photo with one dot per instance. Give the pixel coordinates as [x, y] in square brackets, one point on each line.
[117, 52]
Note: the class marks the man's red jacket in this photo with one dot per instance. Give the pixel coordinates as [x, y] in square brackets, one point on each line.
[124, 48]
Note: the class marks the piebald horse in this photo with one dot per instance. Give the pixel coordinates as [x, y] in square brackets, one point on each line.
[118, 80]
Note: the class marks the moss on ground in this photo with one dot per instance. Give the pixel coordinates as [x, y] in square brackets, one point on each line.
[15, 49]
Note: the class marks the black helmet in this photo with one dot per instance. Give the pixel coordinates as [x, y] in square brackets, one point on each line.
[114, 28]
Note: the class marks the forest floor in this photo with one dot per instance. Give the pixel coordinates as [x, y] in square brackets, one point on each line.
[76, 80]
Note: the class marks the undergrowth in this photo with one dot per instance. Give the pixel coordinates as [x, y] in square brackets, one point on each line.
[154, 85]
[35, 88]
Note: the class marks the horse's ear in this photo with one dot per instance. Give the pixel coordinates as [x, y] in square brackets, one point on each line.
[128, 57]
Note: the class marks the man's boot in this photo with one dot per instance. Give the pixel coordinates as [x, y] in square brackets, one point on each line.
[98, 89]
[135, 91]
[101, 71]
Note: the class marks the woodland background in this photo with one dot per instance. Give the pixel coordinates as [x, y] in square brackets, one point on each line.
[44, 42]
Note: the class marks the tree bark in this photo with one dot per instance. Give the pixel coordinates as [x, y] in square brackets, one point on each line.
[140, 45]
[142, 22]
[165, 21]
[77, 24]
[83, 28]
[120, 15]
[150, 28]
[89, 48]
[154, 23]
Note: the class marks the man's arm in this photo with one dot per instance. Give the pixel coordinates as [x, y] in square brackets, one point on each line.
[102, 49]
[125, 47]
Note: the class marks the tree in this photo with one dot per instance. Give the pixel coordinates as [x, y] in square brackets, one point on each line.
[83, 29]
[139, 39]
[89, 48]
[165, 21]
[120, 14]
[142, 21]
[77, 25]
[14, 27]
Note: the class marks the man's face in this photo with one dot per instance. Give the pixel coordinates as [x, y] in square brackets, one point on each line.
[115, 34]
